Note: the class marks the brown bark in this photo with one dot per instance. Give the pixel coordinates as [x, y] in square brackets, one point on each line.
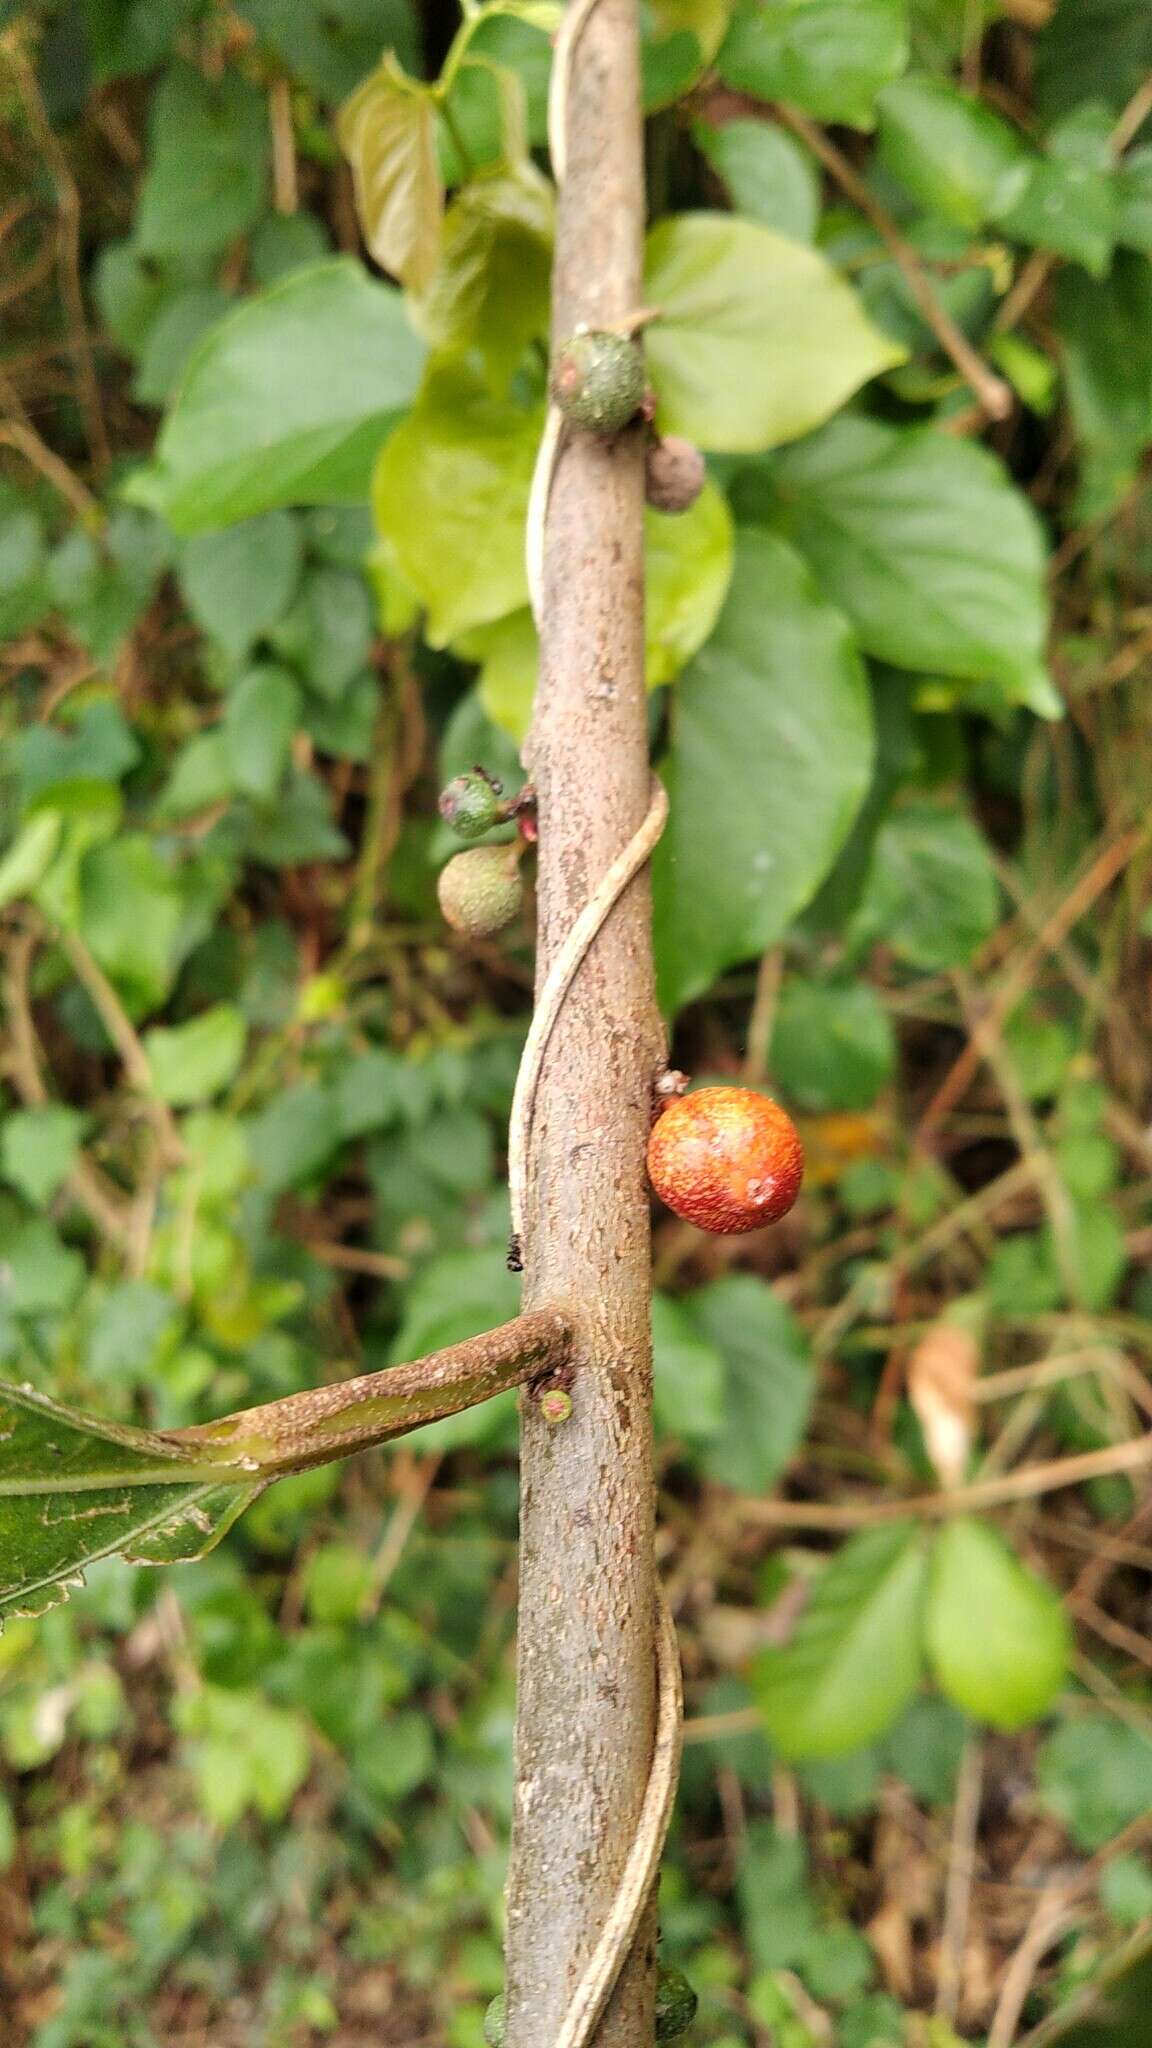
[585, 1715]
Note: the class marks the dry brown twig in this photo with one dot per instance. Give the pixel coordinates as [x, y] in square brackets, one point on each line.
[995, 396]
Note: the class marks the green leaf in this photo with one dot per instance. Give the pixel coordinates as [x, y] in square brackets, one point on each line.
[1095, 1775]
[73, 1489]
[260, 717]
[777, 1906]
[387, 131]
[285, 242]
[207, 168]
[688, 567]
[449, 494]
[1105, 331]
[29, 856]
[194, 1061]
[855, 1659]
[39, 1275]
[688, 1375]
[758, 341]
[130, 916]
[680, 38]
[768, 176]
[931, 892]
[770, 758]
[38, 1149]
[23, 593]
[329, 44]
[948, 150]
[833, 1047]
[329, 631]
[1066, 200]
[492, 290]
[236, 583]
[243, 1753]
[286, 402]
[1134, 201]
[829, 57]
[294, 1137]
[998, 1639]
[922, 540]
[102, 587]
[1092, 50]
[201, 777]
[768, 1380]
[129, 288]
[186, 317]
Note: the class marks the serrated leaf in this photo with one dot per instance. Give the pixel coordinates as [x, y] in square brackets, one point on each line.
[770, 758]
[925, 544]
[387, 131]
[855, 1659]
[758, 339]
[73, 1489]
[829, 57]
[286, 402]
[998, 1638]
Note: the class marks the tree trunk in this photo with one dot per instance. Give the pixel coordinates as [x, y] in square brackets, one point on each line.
[586, 1655]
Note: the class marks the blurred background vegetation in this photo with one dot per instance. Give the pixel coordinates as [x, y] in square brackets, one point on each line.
[253, 1094]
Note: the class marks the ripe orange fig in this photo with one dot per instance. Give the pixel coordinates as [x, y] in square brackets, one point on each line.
[726, 1159]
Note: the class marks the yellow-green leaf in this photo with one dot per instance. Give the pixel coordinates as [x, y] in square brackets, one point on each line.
[450, 494]
[491, 291]
[387, 131]
[758, 341]
[689, 566]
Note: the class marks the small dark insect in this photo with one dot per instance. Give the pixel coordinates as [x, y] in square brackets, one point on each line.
[515, 1254]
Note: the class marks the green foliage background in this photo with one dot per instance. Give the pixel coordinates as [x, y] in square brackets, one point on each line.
[262, 590]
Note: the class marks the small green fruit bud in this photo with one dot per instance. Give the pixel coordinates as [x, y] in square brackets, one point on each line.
[480, 891]
[598, 381]
[471, 804]
[555, 1404]
[494, 2021]
[674, 474]
[676, 2003]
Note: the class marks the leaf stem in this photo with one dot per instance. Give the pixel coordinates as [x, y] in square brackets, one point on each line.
[324, 1423]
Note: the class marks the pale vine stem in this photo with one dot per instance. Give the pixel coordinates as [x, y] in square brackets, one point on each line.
[596, 1984]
